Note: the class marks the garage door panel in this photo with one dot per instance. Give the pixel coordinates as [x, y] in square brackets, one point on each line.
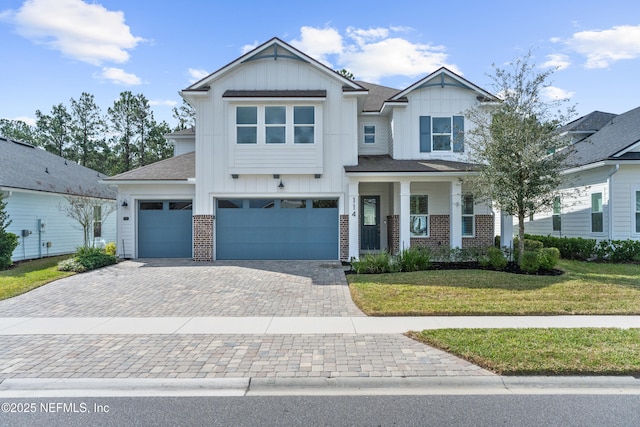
[166, 232]
[277, 232]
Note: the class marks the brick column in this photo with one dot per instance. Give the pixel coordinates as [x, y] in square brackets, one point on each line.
[203, 237]
[344, 237]
[393, 234]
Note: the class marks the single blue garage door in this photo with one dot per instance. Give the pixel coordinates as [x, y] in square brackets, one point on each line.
[277, 229]
[164, 229]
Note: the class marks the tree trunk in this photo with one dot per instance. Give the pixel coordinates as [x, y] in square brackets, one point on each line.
[520, 236]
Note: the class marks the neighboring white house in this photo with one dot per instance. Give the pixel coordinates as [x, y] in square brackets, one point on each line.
[600, 198]
[291, 160]
[34, 184]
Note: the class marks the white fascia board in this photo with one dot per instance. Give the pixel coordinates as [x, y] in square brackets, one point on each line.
[408, 174]
[265, 100]
[632, 147]
[151, 182]
[28, 191]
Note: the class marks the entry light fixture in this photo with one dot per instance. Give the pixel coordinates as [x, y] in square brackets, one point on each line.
[124, 204]
[281, 186]
[276, 176]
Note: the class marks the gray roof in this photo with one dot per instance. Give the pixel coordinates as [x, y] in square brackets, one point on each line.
[319, 93]
[179, 168]
[23, 166]
[620, 133]
[384, 163]
[377, 96]
[590, 123]
[183, 132]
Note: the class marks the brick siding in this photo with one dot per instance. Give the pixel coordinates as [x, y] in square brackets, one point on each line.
[344, 237]
[483, 233]
[393, 234]
[203, 237]
[438, 233]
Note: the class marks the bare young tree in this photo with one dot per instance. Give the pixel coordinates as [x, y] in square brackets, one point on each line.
[88, 210]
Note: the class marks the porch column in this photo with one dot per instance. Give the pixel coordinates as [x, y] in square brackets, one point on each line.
[455, 220]
[405, 234]
[506, 230]
[353, 206]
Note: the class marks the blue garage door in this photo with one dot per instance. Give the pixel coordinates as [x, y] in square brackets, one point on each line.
[164, 229]
[277, 229]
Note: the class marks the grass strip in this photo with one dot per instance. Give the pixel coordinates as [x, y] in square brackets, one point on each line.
[29, 275]
[574, 351]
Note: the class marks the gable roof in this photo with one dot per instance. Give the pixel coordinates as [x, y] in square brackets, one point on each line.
[26, 167]
[590, 123]
[179, 168]
[444, 77]
[377, 96]
[274, 49]
[611, 141]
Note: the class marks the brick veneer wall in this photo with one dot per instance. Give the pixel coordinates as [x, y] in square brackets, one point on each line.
[393, 234]
[203, 237]
[438, 233]
[484, 233]
[344, 237]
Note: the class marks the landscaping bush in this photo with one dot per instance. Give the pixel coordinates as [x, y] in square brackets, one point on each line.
[496, 258]
[87, 258]
[575, 248]
[530, 262]
[530, 245]
[414, 259]
[548, 258]
[110, 248]
[373, 264]
[618, 250]
[8, 243]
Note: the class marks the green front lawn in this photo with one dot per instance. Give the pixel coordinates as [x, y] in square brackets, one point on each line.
[585, 288]
[29, 275]
[585, 351]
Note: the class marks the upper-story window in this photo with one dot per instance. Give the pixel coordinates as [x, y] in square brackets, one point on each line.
[369, 133]
[275, 124]
[442, 134]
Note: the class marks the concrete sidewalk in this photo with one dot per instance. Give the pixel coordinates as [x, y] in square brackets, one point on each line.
[271, 325]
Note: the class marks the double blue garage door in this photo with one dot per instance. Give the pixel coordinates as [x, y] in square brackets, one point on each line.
[276, 229]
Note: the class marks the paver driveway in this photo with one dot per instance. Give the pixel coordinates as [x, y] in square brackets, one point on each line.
[182, 288]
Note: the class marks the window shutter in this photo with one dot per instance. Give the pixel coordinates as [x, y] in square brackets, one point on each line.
[458, 134]
[425, 134]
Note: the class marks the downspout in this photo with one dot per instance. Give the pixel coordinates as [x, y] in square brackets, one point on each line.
[609, 207]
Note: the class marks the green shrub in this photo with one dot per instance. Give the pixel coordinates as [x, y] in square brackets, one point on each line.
[8, 243]
[548, 258]
[87, 258]
[414, 259]
[373, 264]
[530, 245]
[110, 248]
[530, 262]
[575, 248]
[71, 264]
[496, 258]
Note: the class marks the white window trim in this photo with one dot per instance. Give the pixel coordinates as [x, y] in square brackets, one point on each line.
[591, 212]
[427, 215]
[289, 125]
[559, 214]
[634, 194]
[472, 216]
[434, 134]
[364, 134]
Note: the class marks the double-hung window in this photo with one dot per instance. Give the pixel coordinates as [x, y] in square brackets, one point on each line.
[596, 213]
[419, 215]
[637, 211]
[556, 219]
[441, 134]
[369, 134]
[247, 125]
[467, 215]
[275, 124]
[97, 221]
[303, 125]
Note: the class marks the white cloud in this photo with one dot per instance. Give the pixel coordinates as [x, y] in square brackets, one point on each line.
[85, 32]
[372, 54]
[249, 47]
[552, 93]
[163, 103]
[28, 120]
[602, 48]
[197, 74]
[559, 61]
[119, 76]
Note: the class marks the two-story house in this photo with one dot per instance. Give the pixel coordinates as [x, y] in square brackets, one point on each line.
[291, 160]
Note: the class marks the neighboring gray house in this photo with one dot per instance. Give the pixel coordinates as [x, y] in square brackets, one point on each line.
[601, 195]
[34, 183]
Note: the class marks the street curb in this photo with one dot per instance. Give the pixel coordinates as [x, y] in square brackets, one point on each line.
[444, 386]
[86, 387]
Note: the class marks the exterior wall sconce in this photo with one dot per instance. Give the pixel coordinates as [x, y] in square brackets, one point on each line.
[276, 176]
[234, 176]
[281, 186]
[124, 204]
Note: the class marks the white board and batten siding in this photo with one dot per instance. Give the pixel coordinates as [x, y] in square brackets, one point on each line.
[127, 238]
[435, 102]
[59, 235]
[219, 157]
[625, 184]
[381, 142]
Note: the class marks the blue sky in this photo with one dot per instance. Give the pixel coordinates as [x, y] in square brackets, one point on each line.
[54, 50]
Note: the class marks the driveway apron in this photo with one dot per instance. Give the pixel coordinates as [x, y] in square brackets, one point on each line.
[184, 289]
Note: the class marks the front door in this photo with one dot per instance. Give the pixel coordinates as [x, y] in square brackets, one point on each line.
[370, 223]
